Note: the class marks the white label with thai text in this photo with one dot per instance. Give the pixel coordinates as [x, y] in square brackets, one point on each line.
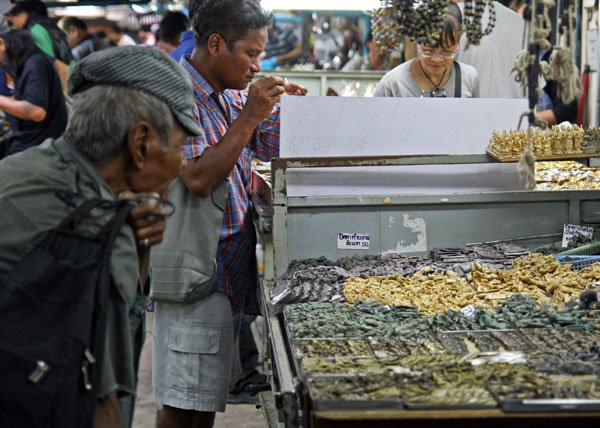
[570, 231]
[353, 241]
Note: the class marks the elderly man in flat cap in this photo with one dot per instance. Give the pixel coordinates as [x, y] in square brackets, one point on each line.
[60, 204]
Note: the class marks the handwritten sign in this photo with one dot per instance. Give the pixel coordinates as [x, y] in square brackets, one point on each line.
[570, 231]
[353, 241]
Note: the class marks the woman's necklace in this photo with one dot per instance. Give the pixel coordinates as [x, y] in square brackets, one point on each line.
[435, 87]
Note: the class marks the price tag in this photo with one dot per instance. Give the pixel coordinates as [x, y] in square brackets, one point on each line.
[570, 231]
[353, 241]
[469, 311]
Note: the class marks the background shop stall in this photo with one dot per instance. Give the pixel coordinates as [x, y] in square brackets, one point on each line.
[394, 176]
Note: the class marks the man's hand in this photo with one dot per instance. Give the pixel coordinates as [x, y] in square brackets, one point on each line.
[292, 88]
[146, 219]
[262, 97]
[148, 225]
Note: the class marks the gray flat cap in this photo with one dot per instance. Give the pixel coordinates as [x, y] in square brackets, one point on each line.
[143, 68]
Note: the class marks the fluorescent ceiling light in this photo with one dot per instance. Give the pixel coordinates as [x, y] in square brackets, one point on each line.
[140, 9]
[320, 4]
[80, 11]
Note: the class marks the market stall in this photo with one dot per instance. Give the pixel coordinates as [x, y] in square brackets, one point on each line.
[380, 309]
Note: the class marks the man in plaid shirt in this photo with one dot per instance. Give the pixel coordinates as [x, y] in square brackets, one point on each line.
[191, 379]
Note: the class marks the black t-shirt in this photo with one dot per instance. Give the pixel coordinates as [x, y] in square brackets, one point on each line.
[39, 84]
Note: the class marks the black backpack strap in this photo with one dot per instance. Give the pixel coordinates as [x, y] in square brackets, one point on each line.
[99, 320]
[457, 80]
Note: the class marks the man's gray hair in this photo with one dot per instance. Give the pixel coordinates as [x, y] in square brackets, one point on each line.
[102, 116]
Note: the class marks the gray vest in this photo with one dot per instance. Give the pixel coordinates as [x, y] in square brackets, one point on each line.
[184, 267]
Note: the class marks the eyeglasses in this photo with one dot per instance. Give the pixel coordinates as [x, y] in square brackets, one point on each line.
[167, 206]
[434, 93]
[429, 53]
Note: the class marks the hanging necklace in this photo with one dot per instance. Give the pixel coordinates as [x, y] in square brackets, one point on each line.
[473, 12]
[435, 87]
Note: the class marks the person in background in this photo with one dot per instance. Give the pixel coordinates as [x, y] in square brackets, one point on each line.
[327, 48]
[376, 59]
[121, 143]
[551, 107]
[32, 15]
[147, 34]
[80, 41]
[37, 103]
[192, 375]
[186, 46]
[353, 42]
[6, 120]
[494, 57]
[119, 38]
[283, 47]
[518, 7]
[103, 37]
[435, 72]
[171, 27]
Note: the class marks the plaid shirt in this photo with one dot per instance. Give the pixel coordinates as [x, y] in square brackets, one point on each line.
[236, 259]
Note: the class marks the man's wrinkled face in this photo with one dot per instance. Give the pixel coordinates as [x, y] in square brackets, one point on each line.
[162, 164]
[238, 65]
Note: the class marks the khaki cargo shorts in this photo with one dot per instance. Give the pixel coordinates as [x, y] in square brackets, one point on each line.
[195, 355]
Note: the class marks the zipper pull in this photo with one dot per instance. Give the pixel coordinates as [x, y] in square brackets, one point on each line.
[89, 356]
[38, 373]
[86, 376]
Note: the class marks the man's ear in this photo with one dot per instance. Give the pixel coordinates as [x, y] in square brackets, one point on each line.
[215, 44]
[138, 143]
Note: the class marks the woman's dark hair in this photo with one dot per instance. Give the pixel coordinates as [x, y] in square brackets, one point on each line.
[451, 28]
[29, 6]
[116, 29]
[72, 21]
[19, 46]
[231, 19]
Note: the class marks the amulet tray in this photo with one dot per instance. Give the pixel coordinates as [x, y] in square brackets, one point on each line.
[563, 156]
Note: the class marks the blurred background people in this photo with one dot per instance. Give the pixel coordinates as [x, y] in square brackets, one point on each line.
[352, 42]
[551, 107]
[283, 47]
[81, 42]
[37, 103]
[32, 15]
[376, 58]
[169, 33]
[103, 37]
[186, 44]
[147, 34]
[327, 48]
[435, 72]
[118, 36]
[494, 57]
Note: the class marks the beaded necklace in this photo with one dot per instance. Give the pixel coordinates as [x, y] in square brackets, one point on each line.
[423, 20]
[435, 87]
[473, 13]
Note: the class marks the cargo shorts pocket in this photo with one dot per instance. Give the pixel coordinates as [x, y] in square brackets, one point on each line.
[191, 347]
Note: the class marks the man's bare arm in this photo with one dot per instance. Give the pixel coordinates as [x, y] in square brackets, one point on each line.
[205, 172]
[22, 109]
